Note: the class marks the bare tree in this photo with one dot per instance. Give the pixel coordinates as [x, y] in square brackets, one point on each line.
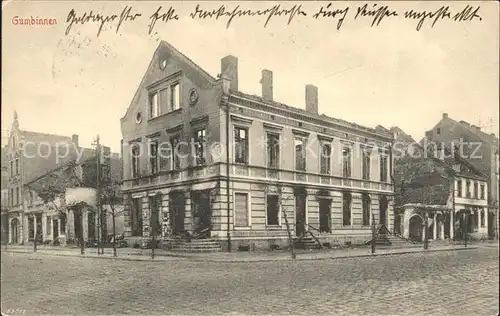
[110, 195]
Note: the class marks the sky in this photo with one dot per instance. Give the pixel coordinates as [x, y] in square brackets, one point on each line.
[389, 75]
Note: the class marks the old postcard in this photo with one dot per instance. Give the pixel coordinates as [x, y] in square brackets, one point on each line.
[250, 158]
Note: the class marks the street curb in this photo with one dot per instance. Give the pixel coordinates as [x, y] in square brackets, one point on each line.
[123, 258]
[330, 258]
[201, 259]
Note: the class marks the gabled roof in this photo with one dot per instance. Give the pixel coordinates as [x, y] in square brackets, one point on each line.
[176, 52]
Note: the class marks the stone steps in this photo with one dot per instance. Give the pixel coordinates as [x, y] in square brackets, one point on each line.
[196, 245]
[307, 243]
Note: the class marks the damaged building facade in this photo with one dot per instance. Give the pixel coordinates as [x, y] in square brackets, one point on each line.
[205, 160]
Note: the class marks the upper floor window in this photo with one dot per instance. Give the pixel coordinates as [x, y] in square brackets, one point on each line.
[153, 156]
[175, 97]
[325, 161]
[11, 168]
[467, 188]
[18, 196]
[366, 164]
[300, 154]
[200, 141]
[383, 168]
[273, 150]
[174, 142]
[483, 193]
[11, 197]
[17, 166]
[459, 188]
[346, 162]
[476, 190]
[240, 145]
[438, 131]
[154, 105]
[136, 153]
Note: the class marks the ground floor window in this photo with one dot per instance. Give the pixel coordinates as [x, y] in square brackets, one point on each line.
[241, 210]
[366, 202]
[482, 218]
[272, 210]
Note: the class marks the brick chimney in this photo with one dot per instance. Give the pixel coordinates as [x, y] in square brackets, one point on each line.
[229, 68]
[312, 99]
[267, 85]
[445, 115]
[74, 139]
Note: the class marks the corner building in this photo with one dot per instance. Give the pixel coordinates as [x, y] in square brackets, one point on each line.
[241, 157]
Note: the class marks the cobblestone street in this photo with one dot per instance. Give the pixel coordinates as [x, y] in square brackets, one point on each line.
[450, 283]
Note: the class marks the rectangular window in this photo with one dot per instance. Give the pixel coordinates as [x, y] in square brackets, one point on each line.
[175, 97]
[346, 162]
[326, 158]
[273, 150]
[300, 154]
[154, 220]
[346, 209]
[11, 168]
[325, 215]
[154, 105]
[165, 156]
[136, 217]
[483, 195]
[164, 101]
[459, 188]
[174, 142]
[482, 218]
[467, 189]
[366, 165]
[272, 210]
[240, 145]
[438, 131]
[200, 146]
[17, 165]
[11, 197]
[476, 190]
[18, 196]
[153, 156]
[241, 210]
[366, 203]
[383, 168]
[136, 153]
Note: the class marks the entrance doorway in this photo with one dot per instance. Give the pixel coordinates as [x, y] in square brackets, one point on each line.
[77, 222]
[300, 214]
[202, 213]
[14, 224]
[383, 204]
[177, 212]
[416, 228]
[325, 221]
[55, 228]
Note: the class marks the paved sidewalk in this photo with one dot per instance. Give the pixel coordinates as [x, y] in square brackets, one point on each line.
[258, 256]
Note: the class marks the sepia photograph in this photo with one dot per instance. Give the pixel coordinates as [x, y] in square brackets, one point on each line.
[250, 158]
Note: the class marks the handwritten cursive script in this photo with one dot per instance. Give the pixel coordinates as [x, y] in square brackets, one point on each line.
[91, 17]
[164, 17]
[329, 12]
[467, 14]
[237, 12]
[378, 13]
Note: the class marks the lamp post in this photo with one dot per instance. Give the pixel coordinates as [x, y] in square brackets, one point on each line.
[426, 224]
[374, 234]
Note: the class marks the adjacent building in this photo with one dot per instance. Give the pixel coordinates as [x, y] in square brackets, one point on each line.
[31, 157]
[439, 188]
[478, 148]
[201, 158]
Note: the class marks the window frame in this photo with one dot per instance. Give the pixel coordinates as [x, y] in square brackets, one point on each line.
[153, 158]
[176, 161]
[303, 165]
[327, 169]
[277, 153]
[237, 135]
[459, 188]
[154, 95]
[384, 173]
[365, 197]
[249, 210]
[346, 172]
[136, 160]
[366, 155]
[202, 159]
